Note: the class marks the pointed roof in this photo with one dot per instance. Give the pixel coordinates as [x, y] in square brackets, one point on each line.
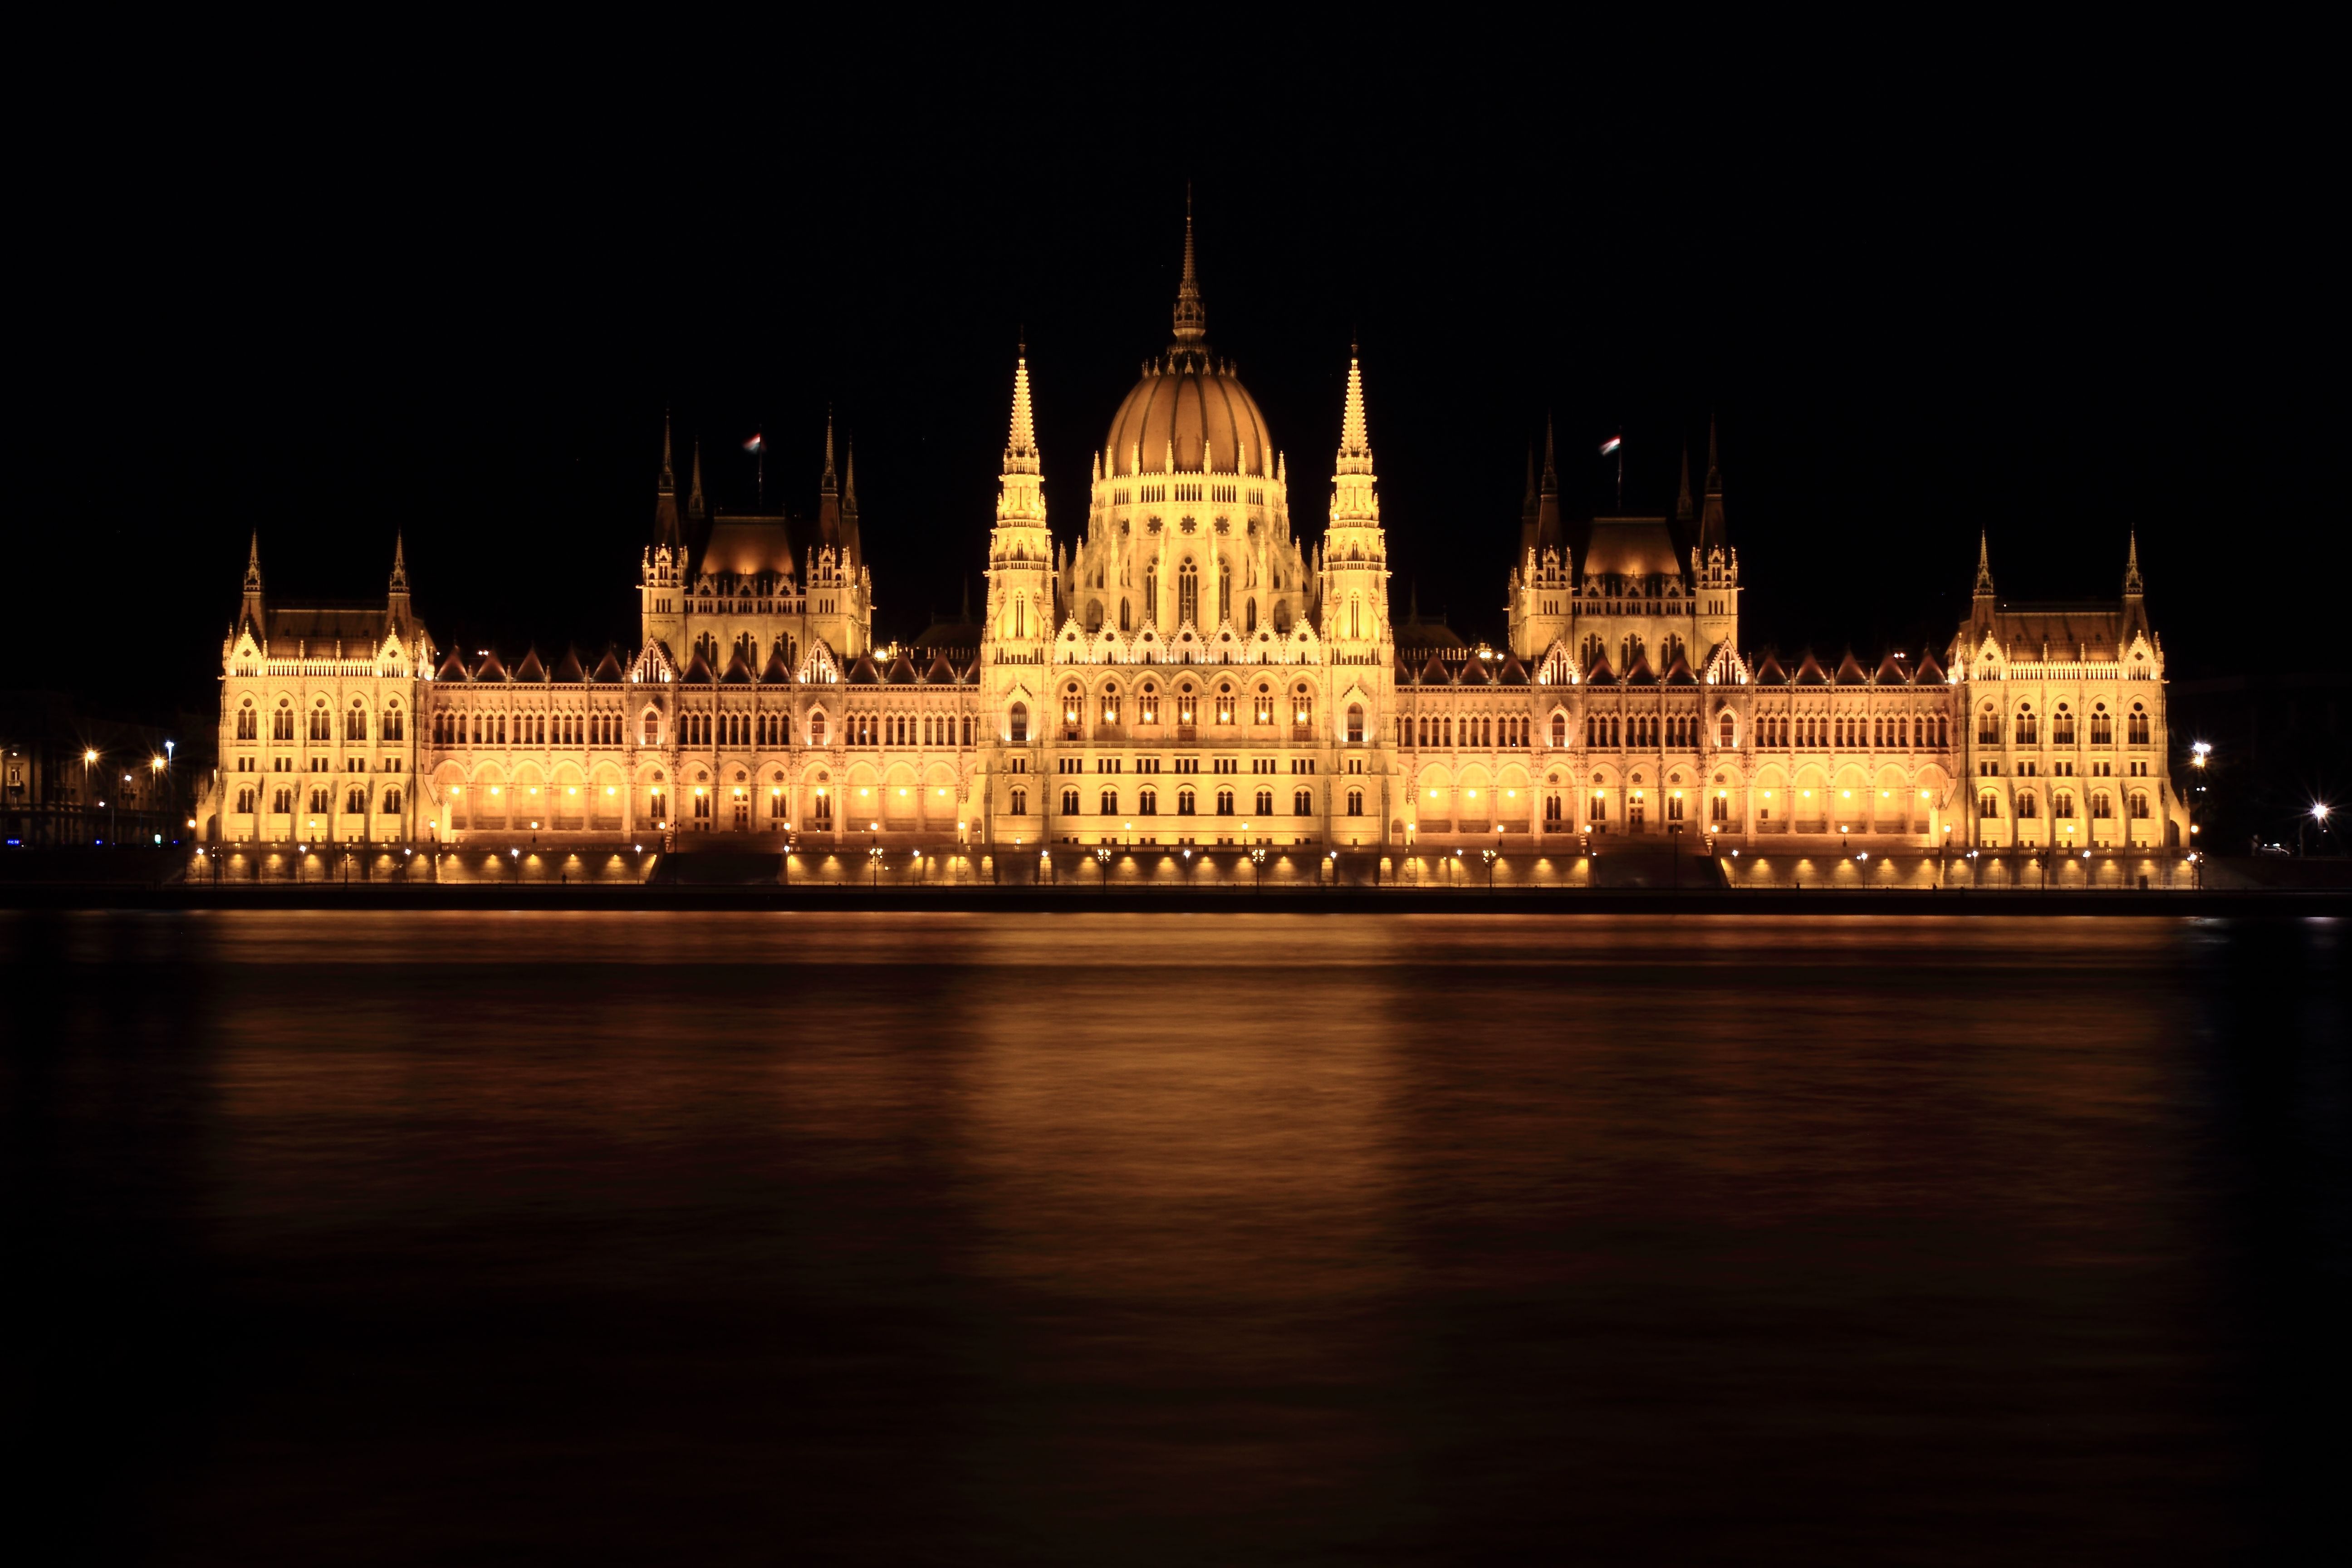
[1679, 672]
[491, 668]
[1849, 671]
[1810, 672]
[1021, 445]
[1931, 668]
[1434, 673]
[776, 672]
[862, 672]
[941, 671]
[2133, 586]
[568, 671]
[530, 668]
[452, 669]
[665, 526]
[696, 507]
[698, 672]
[1640, 673]
[1891, 671]
[1192, 318]
[739, 669]
[1475, 672]
[1548, 534]
[1599, 673]
[1512, 672]
[1355, 444]
[828, 505]
[1712, 533]
[253, 564]
[609, 670]
[1983, 589]
[1768, 672]
[399, 563]
[900, 672]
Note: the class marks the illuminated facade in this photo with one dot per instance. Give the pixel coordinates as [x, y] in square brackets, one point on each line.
[1189, 671]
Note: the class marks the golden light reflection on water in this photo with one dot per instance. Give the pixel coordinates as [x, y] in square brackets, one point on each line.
[1261, 1234]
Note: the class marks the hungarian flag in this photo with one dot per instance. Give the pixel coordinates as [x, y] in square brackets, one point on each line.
[1609, 447]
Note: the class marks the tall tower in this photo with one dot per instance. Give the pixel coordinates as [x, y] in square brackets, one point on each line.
[1715, 575]
[661, 590]
[1019, 629]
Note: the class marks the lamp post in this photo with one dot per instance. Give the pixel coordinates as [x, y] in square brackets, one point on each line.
[2318, 813]
[1257, 858]
[1674, 842]
[1102, 865]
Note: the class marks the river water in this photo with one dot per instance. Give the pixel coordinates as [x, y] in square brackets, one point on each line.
[1187, 1240]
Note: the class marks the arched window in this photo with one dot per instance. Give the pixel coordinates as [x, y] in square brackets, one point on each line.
[1110, 803]
[1147, 704]
[2028, 727]
[281, 723]
[1151, 592]
[1558, 731]
[1016, 724]
[2062, 806]
[1718, 808]
[248, 722]
[1225, 592]
[1989, 805]
[649, 729]
[1122, 614]
[1225, 703]
[1224, 802]
[2102, 727]
[1070, 800]
[2026, 810]
[355, 800]
[1264, 803]
[1302, 803]
[1355, 803]
[2138, 724]
[2138, 807]
[1188, 593]
[1551, 806]
[1989, 726]
[1019, 801]
[2102, 807]
[1184, 801]
[1355, 723]
[1355, 616]
[2062, 727]
[1726, 730]
[1302, 706]
[1147, 802]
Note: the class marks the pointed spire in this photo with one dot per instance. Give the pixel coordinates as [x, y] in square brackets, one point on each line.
[399, 564]
[1712, 533]
[1984, 589]
[828, 485]
[669, 482]
[1548, 534]
[849, 483]
[253, 564]
[1355, 442]
[2133, 586]
[696, 506]
[1021, 445]
[1192, 318]
[1683, 510]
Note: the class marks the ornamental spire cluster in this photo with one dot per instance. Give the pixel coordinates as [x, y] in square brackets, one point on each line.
[1021, 447]
[1355, 444]
[1191, 316]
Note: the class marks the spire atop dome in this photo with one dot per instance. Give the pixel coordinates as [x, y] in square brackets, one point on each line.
[2133, 586]
[1191, 317]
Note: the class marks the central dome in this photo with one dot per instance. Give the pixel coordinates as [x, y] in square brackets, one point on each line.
[1197, 405]
[1190, 410]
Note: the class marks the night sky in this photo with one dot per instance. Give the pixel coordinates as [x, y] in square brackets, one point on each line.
[2054, 300]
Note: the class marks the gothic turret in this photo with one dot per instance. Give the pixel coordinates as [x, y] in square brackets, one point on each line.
[250, 612]
[1355, 574]
[1548, 533]
[1715, 577]
[396, 604]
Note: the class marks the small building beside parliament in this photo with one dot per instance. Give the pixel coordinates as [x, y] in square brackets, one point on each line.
[1188, 669]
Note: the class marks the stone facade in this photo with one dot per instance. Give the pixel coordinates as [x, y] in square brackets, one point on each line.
[1189, 671]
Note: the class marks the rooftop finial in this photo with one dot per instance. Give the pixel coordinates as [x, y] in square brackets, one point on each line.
[1984, 567]
[1192, 318]
[1683, 512]
[849, 482]
[669, 479]
[1021, 445]
[694, 503]
[1714, 469]
[830, 485]
[1550, 469]
[399, 564]
[1355, 443]
[2133, 586]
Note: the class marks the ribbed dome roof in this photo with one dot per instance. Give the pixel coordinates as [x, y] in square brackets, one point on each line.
[1191, 400]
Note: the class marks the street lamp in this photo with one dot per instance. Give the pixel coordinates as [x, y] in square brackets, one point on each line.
[2319, 814]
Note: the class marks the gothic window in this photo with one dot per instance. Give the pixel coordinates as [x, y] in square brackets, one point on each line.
[1073, 703]
[1674, 806]
[1017, 727]
[1188, 593]
[1551, 808]
[2028, 727]
[1110, 803]
[1122, 614]
[1264, 712]
[2062, 727]
[320, 725]
[1989, 726]
[1355, 723]
[281, 800]
[355, 802]
[245, 800]
[1989, 805]
[1151, 592]
[248, 722]
[2062, 806]
[1250, 615]
[2136, 723]
[1225, 704]
[1224, 802]
[1302, 803]
[1302, 706]
[319, 800]
[2026, 810]
[1720, 808]
[1147, 802]
[1070, 801]
[1184, 801]
[1225, 592]
[1148, 704]
[1599, 805]
[650, 730]
[1265, 802]
[2139, 807]
[2102, 807]
[1726, 732]
[281, 723]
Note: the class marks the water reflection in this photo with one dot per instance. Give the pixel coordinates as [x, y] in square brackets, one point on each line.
[1233, 1237]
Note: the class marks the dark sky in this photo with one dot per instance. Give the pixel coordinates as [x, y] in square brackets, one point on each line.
[2056, 298]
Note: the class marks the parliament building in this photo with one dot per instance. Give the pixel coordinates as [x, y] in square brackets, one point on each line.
[1189, 668]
